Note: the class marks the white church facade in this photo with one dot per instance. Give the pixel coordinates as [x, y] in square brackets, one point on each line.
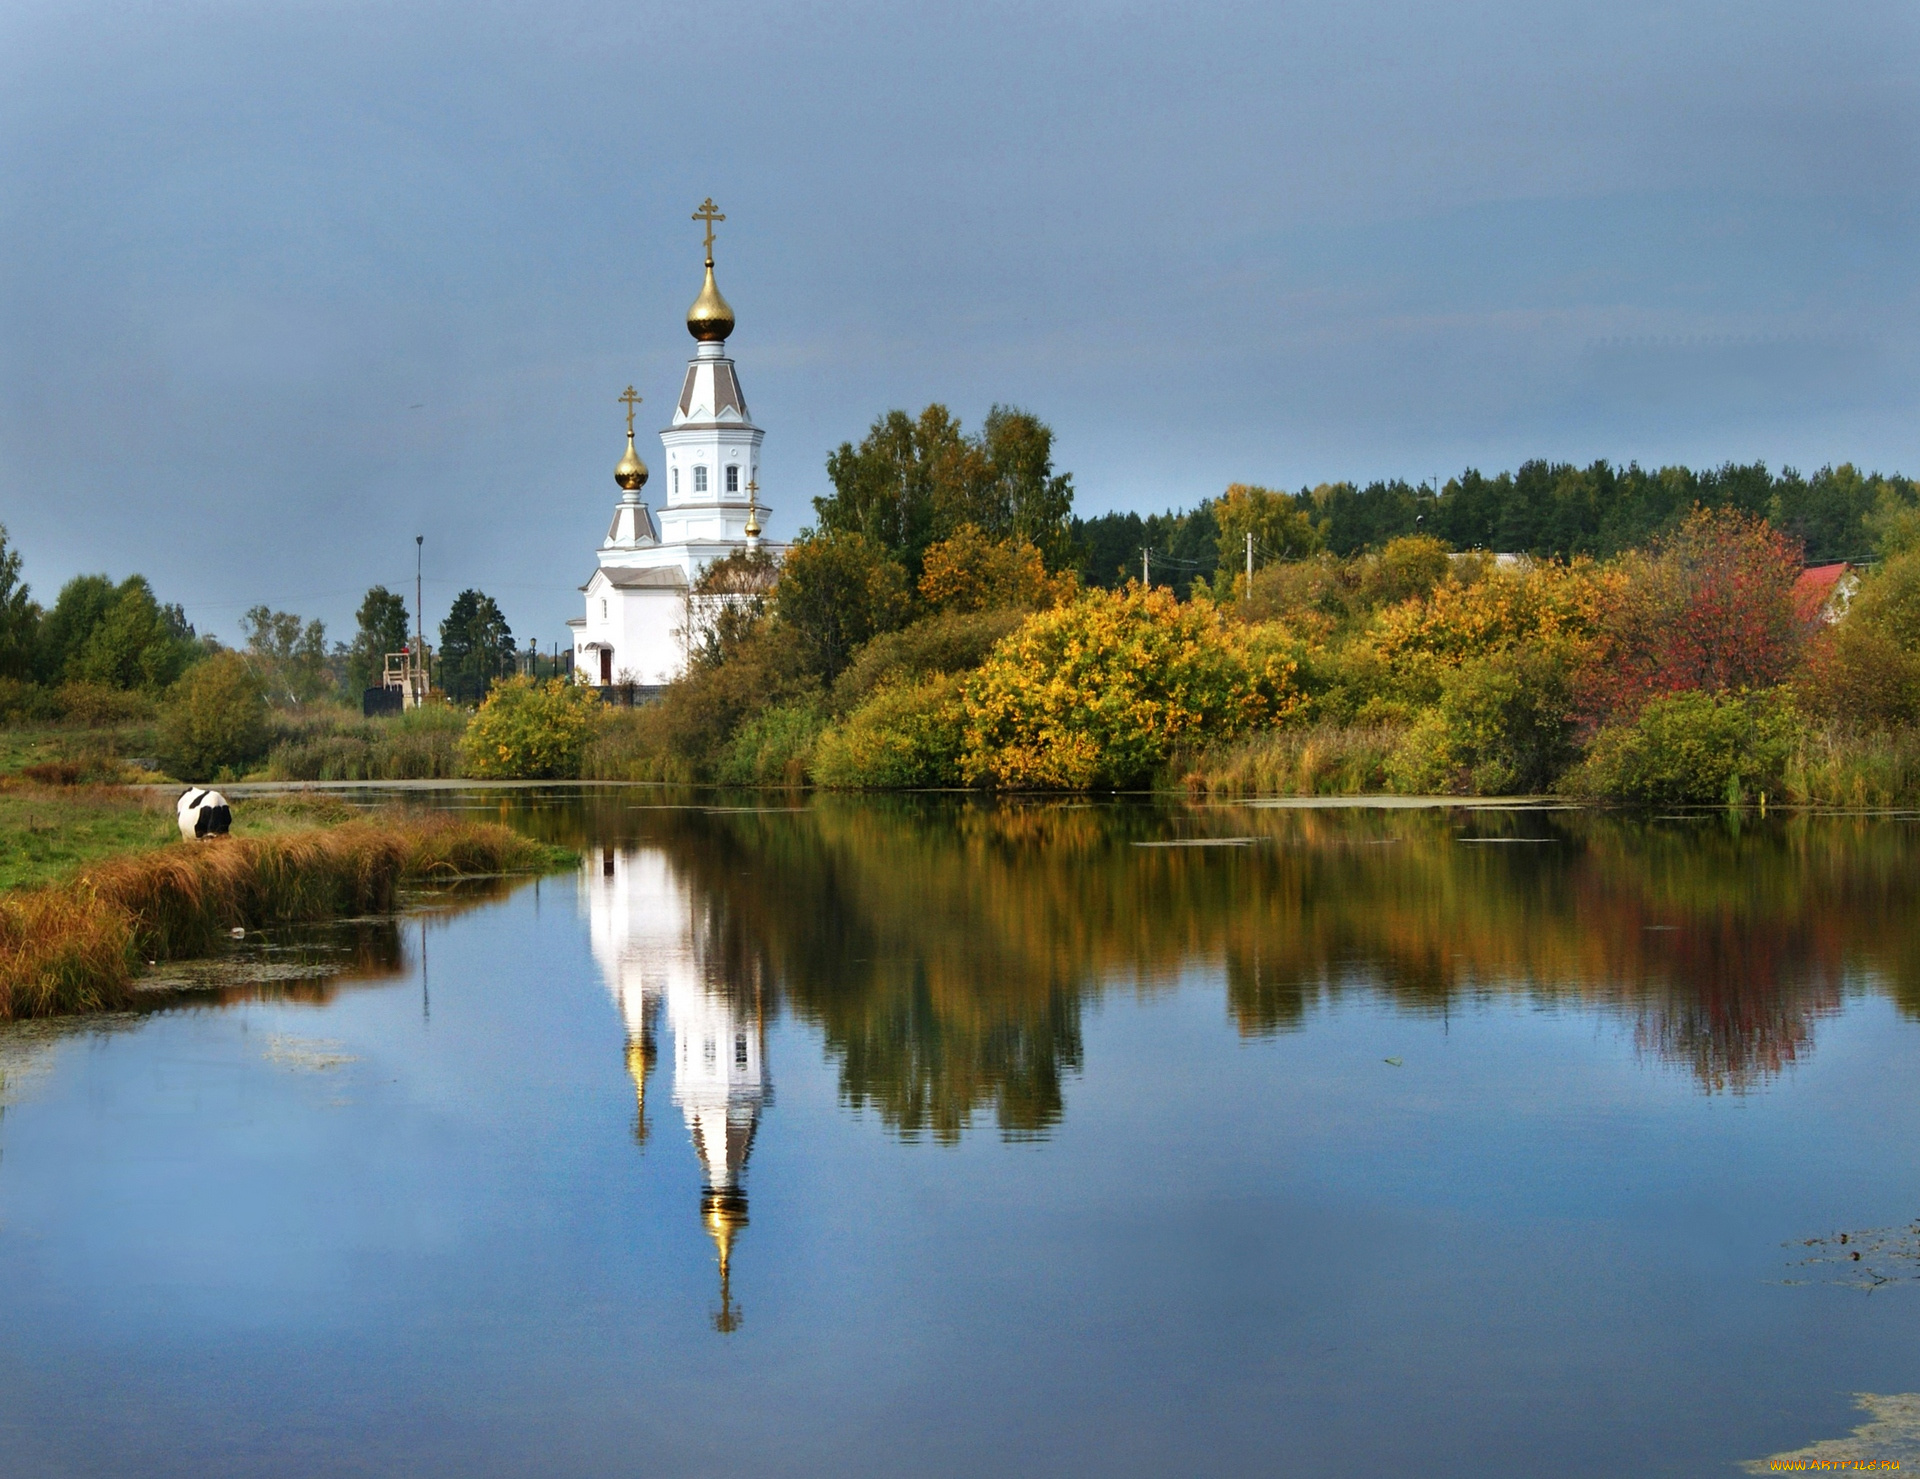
[641, 615]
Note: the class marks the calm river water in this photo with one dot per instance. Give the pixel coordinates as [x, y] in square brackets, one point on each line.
[948, 1138]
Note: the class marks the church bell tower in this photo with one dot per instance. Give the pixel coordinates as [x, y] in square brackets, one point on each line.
[712, 445]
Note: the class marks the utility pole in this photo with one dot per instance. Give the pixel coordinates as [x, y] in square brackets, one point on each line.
[1249, 560]
[1146, 565]
[420, 656]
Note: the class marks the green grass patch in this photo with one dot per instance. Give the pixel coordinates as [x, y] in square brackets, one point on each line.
[49, 832]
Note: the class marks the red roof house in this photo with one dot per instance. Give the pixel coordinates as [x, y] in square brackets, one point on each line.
[1823, 592]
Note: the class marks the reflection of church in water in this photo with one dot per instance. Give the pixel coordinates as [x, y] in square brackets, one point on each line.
[647, 935]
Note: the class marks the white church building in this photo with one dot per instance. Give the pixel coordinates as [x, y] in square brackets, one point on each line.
[641, 617]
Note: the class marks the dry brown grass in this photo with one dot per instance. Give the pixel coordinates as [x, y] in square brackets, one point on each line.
[63, 950]
[73, 947]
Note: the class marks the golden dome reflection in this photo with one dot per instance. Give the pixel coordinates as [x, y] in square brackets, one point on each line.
[630, 472]
[710, 319]
[724, 1210]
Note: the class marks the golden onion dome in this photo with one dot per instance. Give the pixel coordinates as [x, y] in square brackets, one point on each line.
[710, 319]
[630, 473]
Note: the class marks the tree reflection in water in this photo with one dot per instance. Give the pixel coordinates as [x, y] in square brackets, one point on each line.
[944, 949]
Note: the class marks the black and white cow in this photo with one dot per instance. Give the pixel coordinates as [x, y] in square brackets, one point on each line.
[203, 813]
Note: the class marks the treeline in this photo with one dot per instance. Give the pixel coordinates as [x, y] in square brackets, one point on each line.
[1546, 509]
[1604, 631]
[120, 638]
[107, 655]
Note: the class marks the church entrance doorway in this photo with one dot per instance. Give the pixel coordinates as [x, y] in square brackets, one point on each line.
[606, 667]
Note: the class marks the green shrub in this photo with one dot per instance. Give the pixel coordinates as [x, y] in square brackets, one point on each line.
[773, 748]
[1839, 766]
[22, 702]
[952, 643]
[1503, 725]
[835, 592]
[637, 745]
[96, 706]
[323, 757]
[214, 718]
[682, 734]
[528, 730]
[906, 736]
[1699, 748]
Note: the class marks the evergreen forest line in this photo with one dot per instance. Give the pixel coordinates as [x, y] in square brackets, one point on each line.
[1545, 509]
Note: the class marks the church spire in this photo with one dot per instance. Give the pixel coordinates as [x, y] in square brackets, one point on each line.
[630, 472]
[710, 319]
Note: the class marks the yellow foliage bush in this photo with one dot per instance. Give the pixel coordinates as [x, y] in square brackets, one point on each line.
[1420, 640]
[1098, 693]
[527, 730]
[970, 572]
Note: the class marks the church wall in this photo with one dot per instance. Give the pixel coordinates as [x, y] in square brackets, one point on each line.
[643, 628]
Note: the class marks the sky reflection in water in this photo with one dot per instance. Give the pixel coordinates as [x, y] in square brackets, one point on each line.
[1087, 1157]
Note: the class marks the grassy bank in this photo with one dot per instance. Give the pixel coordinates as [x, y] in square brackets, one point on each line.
[47, 832]
[76, 945]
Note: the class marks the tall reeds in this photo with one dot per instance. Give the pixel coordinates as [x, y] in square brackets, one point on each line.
[75, 946]
[1320, 760]
[419, 745]
[1856, 772]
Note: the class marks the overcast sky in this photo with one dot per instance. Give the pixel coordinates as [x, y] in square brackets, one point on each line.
[284, 284]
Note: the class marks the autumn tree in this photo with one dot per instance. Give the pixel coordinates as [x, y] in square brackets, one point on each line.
[1708, 607]
[1864, 671]
[1099, 693]
[1277, 524]
[972, 571]
[726, 605]
[913, 481]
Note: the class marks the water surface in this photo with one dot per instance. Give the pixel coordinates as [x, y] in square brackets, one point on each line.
[947, 1137]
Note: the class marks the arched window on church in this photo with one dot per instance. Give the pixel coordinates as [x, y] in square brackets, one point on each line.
[676, 480]
[733, 478]
[700, 479]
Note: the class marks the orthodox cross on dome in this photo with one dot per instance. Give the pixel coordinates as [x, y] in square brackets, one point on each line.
[630, 399]
[709, 213]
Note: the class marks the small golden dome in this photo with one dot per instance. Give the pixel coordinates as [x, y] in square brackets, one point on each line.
[710, 320]
[631, 472]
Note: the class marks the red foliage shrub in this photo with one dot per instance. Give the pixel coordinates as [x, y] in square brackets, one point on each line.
[1710, 607]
